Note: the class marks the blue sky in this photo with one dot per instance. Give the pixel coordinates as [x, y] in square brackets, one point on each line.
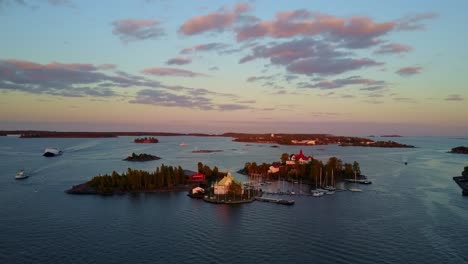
[311, 66]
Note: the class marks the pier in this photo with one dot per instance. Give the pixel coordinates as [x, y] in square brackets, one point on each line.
[275, 200]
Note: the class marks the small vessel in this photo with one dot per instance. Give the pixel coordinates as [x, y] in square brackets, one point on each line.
[21, 175]
[183, 144]
[286, 202]
[52, 152]
[330, 192]
[317, 193]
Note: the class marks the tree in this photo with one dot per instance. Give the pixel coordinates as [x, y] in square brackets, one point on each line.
[284, 158]
[200, 167]
[357, 168]
[235, 188]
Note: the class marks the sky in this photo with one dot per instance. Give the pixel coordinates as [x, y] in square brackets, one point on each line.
[342, 67]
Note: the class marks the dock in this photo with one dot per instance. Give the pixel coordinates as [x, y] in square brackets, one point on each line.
[275, 200]
[361, 181]
[463, 183]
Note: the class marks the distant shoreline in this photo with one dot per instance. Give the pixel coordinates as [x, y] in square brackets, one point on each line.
[278, 139]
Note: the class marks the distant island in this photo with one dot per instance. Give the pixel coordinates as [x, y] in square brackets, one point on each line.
[390, 136]
[146, 140]
[459, 150]
[377, 144]
[3, 134]
[141, 157]
[313, 139]
[207, 151]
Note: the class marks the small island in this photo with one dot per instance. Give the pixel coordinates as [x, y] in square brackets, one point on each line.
[162, 179]
[146, 140]
[377, 144]
[141, 157]
[207, 151]
[459, 150]
[307, 170]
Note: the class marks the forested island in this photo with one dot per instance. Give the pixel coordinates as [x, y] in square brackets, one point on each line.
[141, 157]
[163, 178]
[146, 140]
[309, 171]
[459, 150]
[377, 144]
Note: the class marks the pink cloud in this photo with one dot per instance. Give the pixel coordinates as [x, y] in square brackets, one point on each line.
[178, 61]
[393, 48]
[214, 21]
[171, 72]
[354, 31]
[323, 66]
[409, 71]
[134, 29]
[204, 47]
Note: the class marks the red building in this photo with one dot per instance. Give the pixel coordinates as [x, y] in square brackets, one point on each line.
[197, 177]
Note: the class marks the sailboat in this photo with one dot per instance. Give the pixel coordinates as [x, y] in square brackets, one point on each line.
[354, 189]
[318, 192]
[331, 189]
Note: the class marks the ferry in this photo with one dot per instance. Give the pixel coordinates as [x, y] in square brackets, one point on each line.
[52, 152]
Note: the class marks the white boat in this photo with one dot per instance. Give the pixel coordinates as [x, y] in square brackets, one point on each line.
[330, 192]
[21, 175]
[317, 193]
[52, 152]
[183, 144]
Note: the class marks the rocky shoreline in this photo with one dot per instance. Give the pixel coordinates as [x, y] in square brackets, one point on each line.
[141, 157]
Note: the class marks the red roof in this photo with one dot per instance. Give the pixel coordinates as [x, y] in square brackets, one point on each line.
[301, 156]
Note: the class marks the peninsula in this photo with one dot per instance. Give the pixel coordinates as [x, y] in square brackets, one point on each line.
[459, 150]
[141, 157]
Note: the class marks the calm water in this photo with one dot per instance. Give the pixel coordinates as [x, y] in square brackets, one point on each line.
[410, 214]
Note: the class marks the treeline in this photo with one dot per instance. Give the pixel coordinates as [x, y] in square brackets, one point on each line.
[212, 175]
[164, 177]
[309, 172]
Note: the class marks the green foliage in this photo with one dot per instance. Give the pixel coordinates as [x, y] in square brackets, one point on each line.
[164, 177]
[235, 188]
